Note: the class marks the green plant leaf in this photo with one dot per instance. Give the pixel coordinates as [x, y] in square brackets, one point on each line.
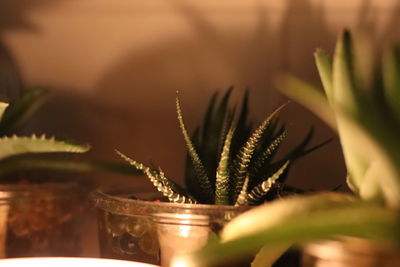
[297, 220]
[309, 96]
[21, 109]
[376, 149]
[61, 162]
[167, 187]
[261, 190]
[241, 163]
[242, 199]
[259, 162]
[213, 135]
[345, 92]
[222, 176]
[204, 181]
[244, 111]
[391, 78]
[3, 107]
[268, 255]
[324, 66]
[10, 146]
[191, 182]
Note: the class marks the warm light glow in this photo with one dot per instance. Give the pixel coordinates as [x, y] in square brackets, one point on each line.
[182, 261]
[68, 262]
[184, 230]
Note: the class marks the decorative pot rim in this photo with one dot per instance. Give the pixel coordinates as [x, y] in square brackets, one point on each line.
[111, 200]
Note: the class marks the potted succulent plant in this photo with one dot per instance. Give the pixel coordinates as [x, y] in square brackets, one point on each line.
[229, 168]
[359, 229]
[26, 210]
[39, 216]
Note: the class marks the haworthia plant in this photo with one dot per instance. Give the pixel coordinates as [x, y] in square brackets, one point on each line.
[227, 162]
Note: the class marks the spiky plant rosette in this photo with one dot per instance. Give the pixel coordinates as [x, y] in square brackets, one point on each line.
[228, 162]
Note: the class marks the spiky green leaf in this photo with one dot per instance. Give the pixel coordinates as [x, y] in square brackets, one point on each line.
[266, 155]
[259, 192]
[222, 176]
[191, 182]
[164, 185]
[241, 163]
[242, 199]
[10, 146]
[213, 134]
[204, 181]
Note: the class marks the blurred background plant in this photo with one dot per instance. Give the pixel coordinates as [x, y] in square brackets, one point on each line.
[40, 153]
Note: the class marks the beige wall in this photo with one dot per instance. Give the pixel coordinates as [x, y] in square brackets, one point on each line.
[114, 66]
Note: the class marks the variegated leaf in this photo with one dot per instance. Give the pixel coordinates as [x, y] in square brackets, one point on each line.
[222, 176]
[261, 190]
[259, 162]
[164, 185]
[242, 199]
[214, 135]
[241, 163]
[201, 173]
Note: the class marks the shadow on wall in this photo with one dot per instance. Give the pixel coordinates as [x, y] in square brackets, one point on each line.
[134, 107]
[14, 16]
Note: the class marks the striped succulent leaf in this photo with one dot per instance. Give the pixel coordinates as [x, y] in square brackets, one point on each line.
[242, 199]
[164, 185]
[214, 133]
[222, 176]
[241, 163]
[191, 181]
[199, 169]
[173, 196]
[266, 155]
[261, 190]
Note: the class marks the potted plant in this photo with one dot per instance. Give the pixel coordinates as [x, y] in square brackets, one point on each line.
[359, 229]
[39, 216]
[229, 168]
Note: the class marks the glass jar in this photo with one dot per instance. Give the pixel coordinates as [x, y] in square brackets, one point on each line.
[40, 219]
[350, 252]
[143, 227]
